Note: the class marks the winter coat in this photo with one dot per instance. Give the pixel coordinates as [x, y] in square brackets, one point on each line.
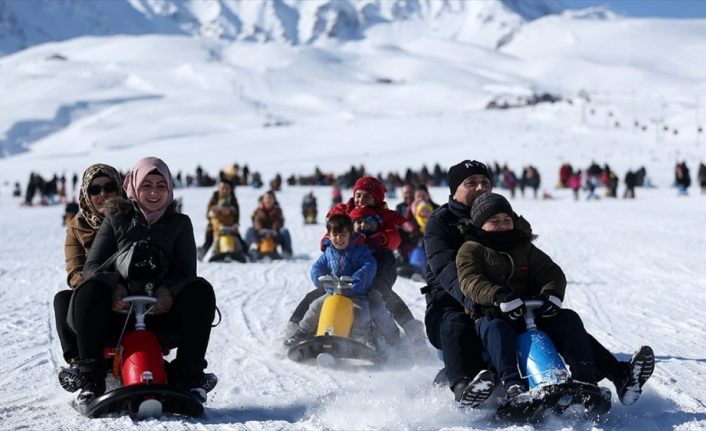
[524, 270]
[386, 273]
[263, 218]
[390, 221]
[125, 224]
[79, 239]
[355, 261]
[232, 201]
[443, 236]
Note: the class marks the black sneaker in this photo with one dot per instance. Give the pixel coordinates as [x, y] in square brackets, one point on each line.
[513, 391]
[93, 388]
[296, 338]
[472, 393]
[199, 394]
[638, 370]
[70, 378]
[209, 381]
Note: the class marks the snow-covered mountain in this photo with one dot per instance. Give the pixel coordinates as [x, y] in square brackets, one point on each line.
[30, 22]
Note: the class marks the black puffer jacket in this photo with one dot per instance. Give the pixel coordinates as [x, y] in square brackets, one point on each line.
[172, 233]
[442, 239]
[445, 232]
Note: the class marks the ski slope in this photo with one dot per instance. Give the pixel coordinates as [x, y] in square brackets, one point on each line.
[404, 94]
[635, 275]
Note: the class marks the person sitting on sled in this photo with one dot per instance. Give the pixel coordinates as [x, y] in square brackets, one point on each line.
[99, 183]
[498, 268]
[267, 219]
[185, 303]
[222, 203]
[448, 323]
[345, 254]
[369, 192]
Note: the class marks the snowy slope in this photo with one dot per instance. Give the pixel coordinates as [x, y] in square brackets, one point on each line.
[411, 91]
[634, 271]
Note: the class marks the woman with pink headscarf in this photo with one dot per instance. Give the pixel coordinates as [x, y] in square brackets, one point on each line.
[185, 303]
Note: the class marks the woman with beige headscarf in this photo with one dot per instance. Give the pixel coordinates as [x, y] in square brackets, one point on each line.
[100, 182]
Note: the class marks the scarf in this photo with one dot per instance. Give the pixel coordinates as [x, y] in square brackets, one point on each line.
[86, 209]
[136, 177]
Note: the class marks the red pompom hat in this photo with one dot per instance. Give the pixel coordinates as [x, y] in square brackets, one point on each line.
[361, 212]
[373, 186]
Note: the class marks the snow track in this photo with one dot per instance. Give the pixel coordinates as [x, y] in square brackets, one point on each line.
[634, 276]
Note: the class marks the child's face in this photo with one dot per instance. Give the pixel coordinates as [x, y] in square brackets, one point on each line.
[340, 240]
[498, 223]
[361, 198]
[365, 225]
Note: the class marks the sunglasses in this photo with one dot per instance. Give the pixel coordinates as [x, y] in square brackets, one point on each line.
[95, 190]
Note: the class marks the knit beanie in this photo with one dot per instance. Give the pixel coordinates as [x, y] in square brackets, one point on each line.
[487, 205]
[459, 172]
[373, 186]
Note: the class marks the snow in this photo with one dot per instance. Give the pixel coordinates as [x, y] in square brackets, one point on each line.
[634, 267]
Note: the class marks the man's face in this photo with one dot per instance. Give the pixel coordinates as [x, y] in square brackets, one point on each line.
[472, 187]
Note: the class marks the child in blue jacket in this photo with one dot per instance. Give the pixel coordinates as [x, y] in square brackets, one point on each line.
[345, 254]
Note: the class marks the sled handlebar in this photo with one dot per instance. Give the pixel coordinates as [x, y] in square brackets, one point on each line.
[533, 303]
[139, 301]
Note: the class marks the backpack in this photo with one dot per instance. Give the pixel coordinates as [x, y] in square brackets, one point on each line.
[141, 264]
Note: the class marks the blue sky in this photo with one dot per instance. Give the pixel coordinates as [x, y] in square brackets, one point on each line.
[647, 8]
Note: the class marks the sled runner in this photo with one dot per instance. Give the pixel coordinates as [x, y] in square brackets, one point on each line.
[552, 391]
[139, 368]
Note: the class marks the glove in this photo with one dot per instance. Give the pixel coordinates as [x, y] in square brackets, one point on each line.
[164, 300]
[118, 294]
[551, 306]
[376, 240]
[511, 305]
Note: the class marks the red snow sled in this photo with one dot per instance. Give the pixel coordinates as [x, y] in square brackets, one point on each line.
[138, 366]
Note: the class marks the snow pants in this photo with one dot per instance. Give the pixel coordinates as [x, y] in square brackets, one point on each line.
[67, 337]
[565, 330]
[189, 318]
[452, 331]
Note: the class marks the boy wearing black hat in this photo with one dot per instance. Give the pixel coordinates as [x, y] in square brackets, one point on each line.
[498, 268]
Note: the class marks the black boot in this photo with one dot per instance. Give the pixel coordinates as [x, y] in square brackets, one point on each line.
[93, 376]
[636, 372]
[472, 393]
[70, 378]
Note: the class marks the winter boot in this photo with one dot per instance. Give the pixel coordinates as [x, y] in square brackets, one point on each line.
[637, 371]
[94, 381]
[513, 391]
[199, 394]
[209, 381]
[70, 378]
[472, 393]
[298, 336]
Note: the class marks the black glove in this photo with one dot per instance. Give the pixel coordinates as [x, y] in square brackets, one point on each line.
[510, 304]
[551, 306]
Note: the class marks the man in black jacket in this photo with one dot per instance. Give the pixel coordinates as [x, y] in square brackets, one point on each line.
[449, 327]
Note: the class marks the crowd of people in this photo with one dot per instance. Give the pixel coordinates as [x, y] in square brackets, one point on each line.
[472, 306]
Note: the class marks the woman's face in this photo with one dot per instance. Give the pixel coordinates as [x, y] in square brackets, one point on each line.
[153, 192]
[268, 201]
[223, 190]
[361, 198]
[100, 190]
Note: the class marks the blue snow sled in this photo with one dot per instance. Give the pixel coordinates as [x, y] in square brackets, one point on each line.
[551, 389]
